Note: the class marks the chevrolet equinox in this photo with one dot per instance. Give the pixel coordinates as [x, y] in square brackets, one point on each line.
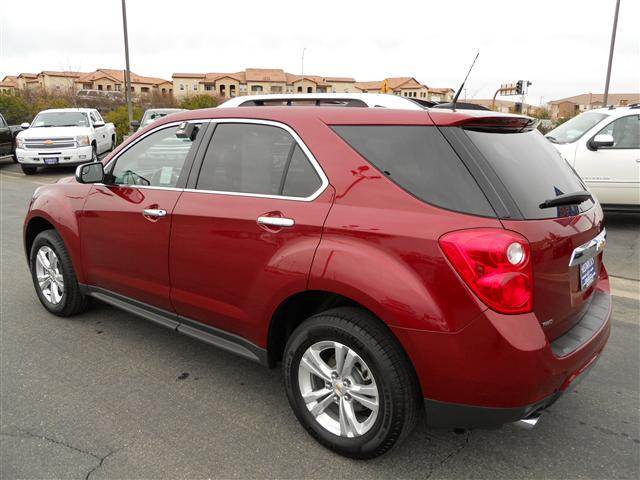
[396, 263]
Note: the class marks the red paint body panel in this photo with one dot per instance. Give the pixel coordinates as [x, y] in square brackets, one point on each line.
[557, 294]
[123, 250]
[231, 273]
[61, 205]
[496, 361]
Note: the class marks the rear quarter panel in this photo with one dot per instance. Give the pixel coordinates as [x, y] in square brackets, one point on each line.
[380, 244]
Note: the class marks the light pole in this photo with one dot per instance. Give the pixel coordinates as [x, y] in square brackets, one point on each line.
[302, 69]
[613, 42]
[127, 72]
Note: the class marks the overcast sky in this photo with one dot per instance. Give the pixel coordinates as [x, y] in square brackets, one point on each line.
[559, 45]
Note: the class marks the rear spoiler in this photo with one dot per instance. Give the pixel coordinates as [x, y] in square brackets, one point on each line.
[499, 124]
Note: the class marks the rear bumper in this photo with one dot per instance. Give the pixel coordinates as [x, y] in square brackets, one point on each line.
[502, 368]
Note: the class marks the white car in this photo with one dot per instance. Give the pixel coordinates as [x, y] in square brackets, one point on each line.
[64, 136]
[603, 146]
[325, 100]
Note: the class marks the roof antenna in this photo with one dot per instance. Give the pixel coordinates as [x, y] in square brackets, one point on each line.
[455, 99]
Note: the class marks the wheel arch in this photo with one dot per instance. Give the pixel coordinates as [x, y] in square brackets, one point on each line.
[294, 310]
[33, 228]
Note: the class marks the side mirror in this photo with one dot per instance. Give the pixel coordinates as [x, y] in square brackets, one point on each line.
[98, 124]
[601, 140]
[25, 125]
[135, 123]
[90, 172]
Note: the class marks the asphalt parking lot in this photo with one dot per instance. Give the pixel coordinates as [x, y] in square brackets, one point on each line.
[108, 395]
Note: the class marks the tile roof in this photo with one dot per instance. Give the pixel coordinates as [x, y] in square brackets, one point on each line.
[590, 98]
[265, 75]
[9, 81]
[53, 73]
[118, 76]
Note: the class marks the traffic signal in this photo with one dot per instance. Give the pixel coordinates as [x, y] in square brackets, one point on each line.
[519, 87]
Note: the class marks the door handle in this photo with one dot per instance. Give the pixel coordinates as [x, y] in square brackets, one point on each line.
[155, 212]
[276, 221]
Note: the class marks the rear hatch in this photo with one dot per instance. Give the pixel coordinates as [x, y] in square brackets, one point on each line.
[519, 170]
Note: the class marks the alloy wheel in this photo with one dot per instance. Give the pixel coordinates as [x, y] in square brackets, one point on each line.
[49, 275]
[338, 389]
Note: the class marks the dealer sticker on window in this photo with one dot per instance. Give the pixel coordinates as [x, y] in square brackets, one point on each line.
[587, 273]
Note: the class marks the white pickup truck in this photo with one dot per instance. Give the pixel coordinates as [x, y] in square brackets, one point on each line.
[65, 136]
[603, 146]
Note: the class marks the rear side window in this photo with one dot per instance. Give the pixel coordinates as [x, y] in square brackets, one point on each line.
[532, 170]
[421, 161]
[257, 159]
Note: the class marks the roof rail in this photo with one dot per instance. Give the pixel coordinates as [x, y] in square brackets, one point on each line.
[634, 105]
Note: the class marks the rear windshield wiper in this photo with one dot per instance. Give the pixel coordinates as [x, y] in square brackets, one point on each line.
[567, 199]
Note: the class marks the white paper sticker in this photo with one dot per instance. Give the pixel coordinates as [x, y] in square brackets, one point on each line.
[165, 175]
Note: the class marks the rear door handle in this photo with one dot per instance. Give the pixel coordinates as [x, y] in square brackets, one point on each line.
[155, 212]
[276, 221]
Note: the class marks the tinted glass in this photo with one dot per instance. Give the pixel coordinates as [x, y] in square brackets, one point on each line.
[156, 160]
[246, 158]
[421, 161]
[625, 132]
[573, 129]
[532, 170]
[301, 179]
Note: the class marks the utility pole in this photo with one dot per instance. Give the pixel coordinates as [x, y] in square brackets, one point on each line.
[127, 72]
[613, 42]
[302, 69]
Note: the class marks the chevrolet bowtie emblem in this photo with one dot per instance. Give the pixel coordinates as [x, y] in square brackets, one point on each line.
[48, 142]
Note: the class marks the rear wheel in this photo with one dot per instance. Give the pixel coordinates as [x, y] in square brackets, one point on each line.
[54, 277]
[350, 384]
[28, 170]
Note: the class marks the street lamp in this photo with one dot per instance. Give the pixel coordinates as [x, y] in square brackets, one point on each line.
[302, 68]
[613, 42]
[127, 72]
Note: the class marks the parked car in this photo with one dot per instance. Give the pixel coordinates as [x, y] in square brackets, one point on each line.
[65, 136]
[603, 146]
[390, 260]
[7, 138]
[324, 100]
[153, 114]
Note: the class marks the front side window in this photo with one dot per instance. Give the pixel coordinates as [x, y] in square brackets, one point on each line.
[256, 159]
[625, 132]
[156, 160]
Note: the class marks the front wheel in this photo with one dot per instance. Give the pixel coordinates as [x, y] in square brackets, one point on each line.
[94, 153]
[54, 277]
[350, 384]
[28, 170]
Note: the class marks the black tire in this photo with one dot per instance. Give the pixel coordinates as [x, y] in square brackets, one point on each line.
[94, 152]
[28, 170]
[14, 158]
[399, 393]
[113, 144]
[73, 301]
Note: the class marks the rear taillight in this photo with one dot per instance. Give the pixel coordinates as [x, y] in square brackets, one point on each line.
[495, 264]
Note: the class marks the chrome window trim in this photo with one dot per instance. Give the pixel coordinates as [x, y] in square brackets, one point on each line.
[314, 163]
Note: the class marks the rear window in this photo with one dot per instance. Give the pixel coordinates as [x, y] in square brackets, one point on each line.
[421, 161]
[532, 170]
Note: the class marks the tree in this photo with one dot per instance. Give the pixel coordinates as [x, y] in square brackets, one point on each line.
[120, 118]
[199, 101]
[14, 108]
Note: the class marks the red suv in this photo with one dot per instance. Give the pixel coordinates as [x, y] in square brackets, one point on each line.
[393, 262]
